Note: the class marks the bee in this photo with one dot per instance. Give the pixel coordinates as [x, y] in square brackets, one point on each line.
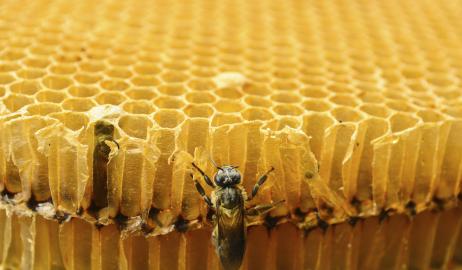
[228, 202]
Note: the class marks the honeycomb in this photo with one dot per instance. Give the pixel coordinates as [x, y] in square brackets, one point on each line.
[105, 104]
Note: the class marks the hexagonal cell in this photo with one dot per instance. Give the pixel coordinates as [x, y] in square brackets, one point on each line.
[83, 91]
[175, 89]
[63, 69]
[147, 69]
[452, 111]
[317, 105]
[345, 114]
[51, 96]
[201, 84]
[43, 108]
[78, 104]
[169, 118]
[401, 106]
[284, 74]
[173, 76]
[256, 114]
[344, 99]
[6, 79]
[200, 97]
[92, 67]
[284, 85]
[14, 102]
[256, 89]
[121, 60]
[56, 82]
[138, 107]
[147, 80]
[285, 97]
[287, 109]
[30, 73]
[37, 62]
[168, 102]
[430, 116]
[27, 87]
[440, 80]
[8, 66]
[340, 88]
[141, 93]
[375, 110]
[72, 120]
[285, 121]
[314, 92]
[12, 55]
[220, 119]
[203, 72]
[120, 73]
[114, 98]
[135, 125]
[228, 106]
[176, 65]
[371, 97]
[114, 85]
[417, 86]
[257, 101]
[199, 110]
[401, 121]
[87, 78]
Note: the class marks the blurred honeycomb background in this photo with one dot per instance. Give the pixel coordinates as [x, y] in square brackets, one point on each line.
[104, 104]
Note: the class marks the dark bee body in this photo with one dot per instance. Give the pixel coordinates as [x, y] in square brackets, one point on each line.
[229, 234]
[228, 203]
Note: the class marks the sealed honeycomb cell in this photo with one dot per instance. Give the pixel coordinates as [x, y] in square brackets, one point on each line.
[356, 105]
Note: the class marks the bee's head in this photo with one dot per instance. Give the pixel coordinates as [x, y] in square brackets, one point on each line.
[227, 176]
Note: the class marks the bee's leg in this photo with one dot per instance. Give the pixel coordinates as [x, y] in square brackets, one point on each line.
[206, 178]
[260, 182]
[262, 209]
[201, 191]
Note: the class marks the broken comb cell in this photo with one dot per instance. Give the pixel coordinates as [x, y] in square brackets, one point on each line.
[104, 106]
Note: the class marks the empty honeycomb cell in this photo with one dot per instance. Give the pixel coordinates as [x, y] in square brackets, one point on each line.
[138, 107]
[199, 110]
[120, 73]
[375, 110]
[135, 125]
[284, 85]
[72, 120]
[146, 69]
[220, 119]
[285, 98]
[345, 114]
[344, 99]
[113, 98]
[30, 73]
[63, 69]
[168, 102]
[173, 76]
[256, 89]
[144, 81]
[200, 97]
[168, 118]
[14, 102]
[43, 108]
[141, 93]
[78, 104]
[91, 67]
[27, 87]
[87, 78]
[430, 116]
[11, 55]
[257, 101]
[6, 79]
[116, 85]
[56, 82]
[82, 91]
[314, 92]
[201, 84]
[228, 106]
[256, 114]
[400, 106]
[316, 105]
[54, 96]
[173, 89]
[287, 109]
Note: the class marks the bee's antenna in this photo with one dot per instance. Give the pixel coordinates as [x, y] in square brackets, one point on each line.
[214, 163]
